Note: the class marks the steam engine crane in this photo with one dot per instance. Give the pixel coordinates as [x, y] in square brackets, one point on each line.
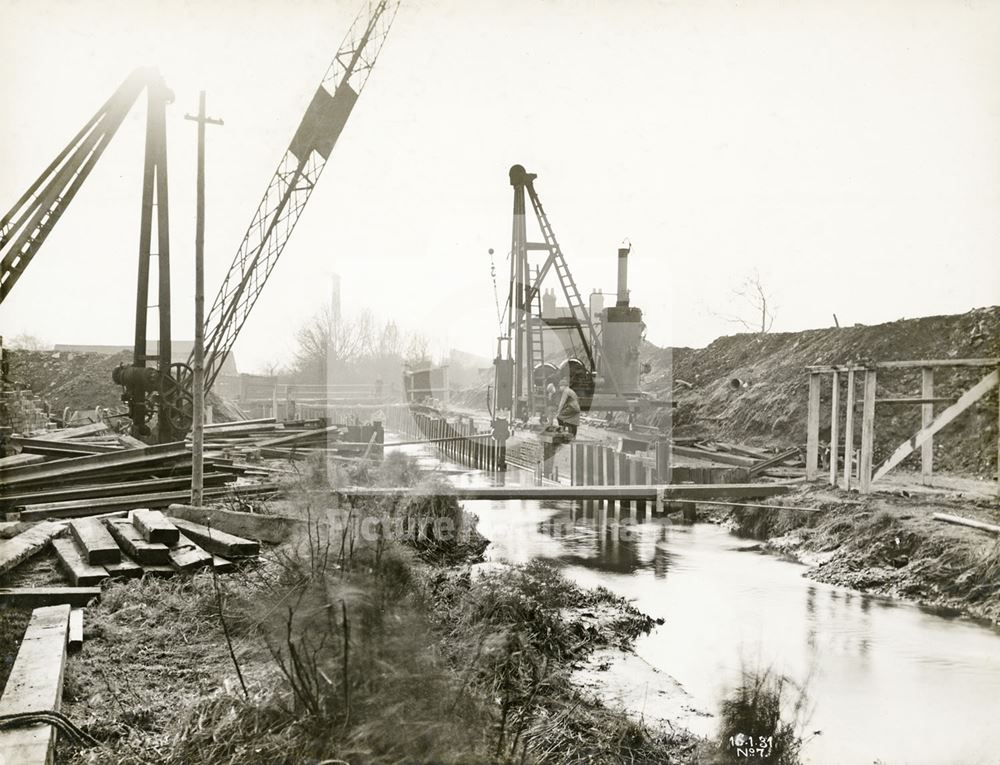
[26, 226]
[596, 351]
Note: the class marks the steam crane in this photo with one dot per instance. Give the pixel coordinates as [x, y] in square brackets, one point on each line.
[596, 350]
[167, 390]
[25, 227]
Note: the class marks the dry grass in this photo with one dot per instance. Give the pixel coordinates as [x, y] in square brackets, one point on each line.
[357, 650]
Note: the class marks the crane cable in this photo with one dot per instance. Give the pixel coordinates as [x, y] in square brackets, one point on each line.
[496, 293]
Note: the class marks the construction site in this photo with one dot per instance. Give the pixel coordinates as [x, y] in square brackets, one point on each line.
[276, 536]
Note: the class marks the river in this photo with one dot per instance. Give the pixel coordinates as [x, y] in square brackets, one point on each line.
[885, 681]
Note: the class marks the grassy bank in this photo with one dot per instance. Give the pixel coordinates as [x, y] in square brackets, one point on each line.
[360, 648]
[888, 545]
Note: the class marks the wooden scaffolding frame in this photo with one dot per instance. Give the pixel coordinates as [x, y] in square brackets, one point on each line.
[923, 439]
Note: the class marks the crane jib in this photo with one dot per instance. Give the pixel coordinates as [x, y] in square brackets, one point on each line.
[323, 122]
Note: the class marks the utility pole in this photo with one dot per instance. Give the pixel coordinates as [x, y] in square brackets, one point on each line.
[198, 423]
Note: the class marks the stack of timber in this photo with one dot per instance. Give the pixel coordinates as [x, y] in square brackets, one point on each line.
[94, 549]
[121, 479]
[755, 462]
[268, 438]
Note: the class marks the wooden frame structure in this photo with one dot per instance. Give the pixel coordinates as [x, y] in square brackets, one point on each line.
[922, 439]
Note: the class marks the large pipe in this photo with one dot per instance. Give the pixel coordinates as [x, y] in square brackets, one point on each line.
[622, 277]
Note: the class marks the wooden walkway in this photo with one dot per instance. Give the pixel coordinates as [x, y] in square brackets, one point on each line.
[620, 493]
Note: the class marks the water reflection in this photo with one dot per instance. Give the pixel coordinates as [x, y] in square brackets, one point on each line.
[873, 666]
[889, 682]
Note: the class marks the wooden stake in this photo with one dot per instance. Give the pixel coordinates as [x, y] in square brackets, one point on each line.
[926, 418]
[812, 428]
[834, 428]
[867, 431]
[849, 432]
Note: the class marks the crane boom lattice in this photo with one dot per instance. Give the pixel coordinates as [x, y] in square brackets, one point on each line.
[294, 180]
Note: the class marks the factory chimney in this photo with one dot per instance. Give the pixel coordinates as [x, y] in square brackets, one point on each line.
[622, 277]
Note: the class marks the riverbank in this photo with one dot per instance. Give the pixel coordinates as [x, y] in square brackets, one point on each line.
[888, 544]
[350, 647]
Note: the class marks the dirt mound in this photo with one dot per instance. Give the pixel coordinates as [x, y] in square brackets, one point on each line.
[69, 380]
[769, 405]
[82, 381]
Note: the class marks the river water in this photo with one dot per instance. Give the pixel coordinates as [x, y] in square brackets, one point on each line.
[885, 681]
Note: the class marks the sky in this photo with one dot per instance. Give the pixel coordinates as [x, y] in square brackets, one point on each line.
[848, 152]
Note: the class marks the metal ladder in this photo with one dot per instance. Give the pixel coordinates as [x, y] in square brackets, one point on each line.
[536, 349]
[578, 310]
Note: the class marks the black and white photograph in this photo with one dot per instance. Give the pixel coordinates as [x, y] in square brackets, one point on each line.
[499, 382]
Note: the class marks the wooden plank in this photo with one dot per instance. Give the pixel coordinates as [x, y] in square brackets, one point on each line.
[55, 493]
[76, 431]
[80, 508]
[960, 521]
[222, 565]
[966, 400]
[303, 436]
[185, 555]
[126, 568]
[849, 432]
[265, 528]
[217, 541]
[773, 461]
[86, 465]
[721, 458]
[131, 541]
[61, 448]
[154, 526]
[926, 418]
[812, 429]
[35, 685]
[622, 492]
[919, 400]
[80, 573]
[867, 432]
[158, 570]
[834, 428]
[75, 641]
[827, 368]
[20, 459]
[938, 363]
[95, 541]
[21, 547]
[36, 597]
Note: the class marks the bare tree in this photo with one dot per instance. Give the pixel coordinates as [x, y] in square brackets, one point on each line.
[417, 349]
[754, 303]
[25, 342]
[359, 346]
[326, 339]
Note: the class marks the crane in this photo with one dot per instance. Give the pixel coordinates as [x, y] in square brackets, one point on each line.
[597, 351]
[29, 222]
[294, 180]
[167, 389]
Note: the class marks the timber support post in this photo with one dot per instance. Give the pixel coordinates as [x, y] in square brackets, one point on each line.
[812, 428]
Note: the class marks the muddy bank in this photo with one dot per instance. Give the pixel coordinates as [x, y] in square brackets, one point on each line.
[887, 545]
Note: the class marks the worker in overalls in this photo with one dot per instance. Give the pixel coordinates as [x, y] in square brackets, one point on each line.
[568, 411]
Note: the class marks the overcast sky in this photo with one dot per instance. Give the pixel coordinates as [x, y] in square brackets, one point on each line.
[848, 151]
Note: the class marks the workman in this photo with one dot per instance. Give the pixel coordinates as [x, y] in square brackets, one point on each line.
[568, 411]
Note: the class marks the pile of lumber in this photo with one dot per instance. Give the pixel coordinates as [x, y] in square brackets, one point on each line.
[150, 476]
[93, 549]
[293, 440]
[756, 461]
